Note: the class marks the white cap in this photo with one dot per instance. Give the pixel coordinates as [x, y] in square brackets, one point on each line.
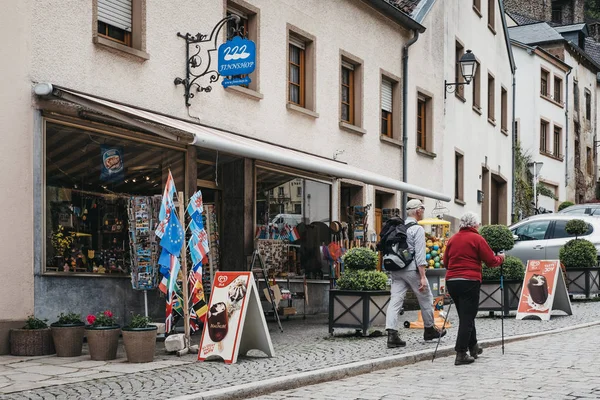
[414, 204]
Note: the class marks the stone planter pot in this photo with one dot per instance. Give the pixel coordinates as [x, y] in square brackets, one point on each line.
[68, 339]
[490, 298]
[103, 342]
[357, 309]
[31, 342]
[583, 281]
[140, 344]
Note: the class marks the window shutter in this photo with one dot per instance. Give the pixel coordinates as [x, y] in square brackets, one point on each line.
[386, 95]
[116, 13]
[347, 65]
[297, 42]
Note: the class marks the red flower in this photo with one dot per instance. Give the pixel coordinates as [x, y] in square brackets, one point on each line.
[108, 314]
[91, 319]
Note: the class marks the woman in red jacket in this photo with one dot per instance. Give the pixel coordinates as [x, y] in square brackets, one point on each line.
[465, 252]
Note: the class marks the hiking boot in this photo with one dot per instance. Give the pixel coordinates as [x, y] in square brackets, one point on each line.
[394, 340]
[433, 333]
[475, 351]
[462, 358]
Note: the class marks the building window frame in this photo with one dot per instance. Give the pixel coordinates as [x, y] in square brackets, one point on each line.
[250, 16]
[303, 40]
[503, 110]
[557, 90]
[492, 15]
[476, 82]
[393, 119]
[588, 105]
[477, 7]
[134, 42]
[459, 176]
[352, 66]
[491, 86]
[557, 135]
[544, 82]
[459, 51]
[544, 132]
[424, 113]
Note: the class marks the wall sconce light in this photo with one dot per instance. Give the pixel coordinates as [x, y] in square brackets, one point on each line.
[468, 69]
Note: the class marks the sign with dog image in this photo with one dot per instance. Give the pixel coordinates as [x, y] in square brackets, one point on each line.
[543, 291]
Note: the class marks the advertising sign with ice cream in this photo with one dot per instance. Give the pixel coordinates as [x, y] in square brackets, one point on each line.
[235, 322]
[543, 290]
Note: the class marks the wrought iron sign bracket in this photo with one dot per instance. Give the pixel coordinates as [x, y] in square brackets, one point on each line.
[198, 58]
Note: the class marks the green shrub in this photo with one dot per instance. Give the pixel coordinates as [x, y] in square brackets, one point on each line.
[499, 237]
[512, 268]
[360, 258]
[362, 280]
[564, 205]
[578, 253]
[69, 319]
[139, 321]
[576, 227]
[35, 323]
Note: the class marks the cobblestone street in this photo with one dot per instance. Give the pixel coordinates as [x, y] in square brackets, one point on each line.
[561, 366]
[304, 346]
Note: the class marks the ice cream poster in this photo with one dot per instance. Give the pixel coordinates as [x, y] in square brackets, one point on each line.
[543, 290]
[112, 163]
[234, 308]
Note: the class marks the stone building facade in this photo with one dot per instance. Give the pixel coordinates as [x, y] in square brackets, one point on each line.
[561, 12]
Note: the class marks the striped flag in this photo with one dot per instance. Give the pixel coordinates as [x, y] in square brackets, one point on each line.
[166, 207]
[294, 234]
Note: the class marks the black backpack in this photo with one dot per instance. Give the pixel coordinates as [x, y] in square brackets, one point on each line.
[393, 244]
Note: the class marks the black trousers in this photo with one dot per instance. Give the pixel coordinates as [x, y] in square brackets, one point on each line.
[465, 295]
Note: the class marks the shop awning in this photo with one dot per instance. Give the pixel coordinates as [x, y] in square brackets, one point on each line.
[215, 139]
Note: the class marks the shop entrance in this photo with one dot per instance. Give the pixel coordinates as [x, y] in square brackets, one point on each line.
[498, 200]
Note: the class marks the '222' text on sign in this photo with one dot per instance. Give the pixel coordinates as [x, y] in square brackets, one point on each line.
[237, 57]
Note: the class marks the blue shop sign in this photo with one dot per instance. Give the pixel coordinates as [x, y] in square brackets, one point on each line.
[237, 57]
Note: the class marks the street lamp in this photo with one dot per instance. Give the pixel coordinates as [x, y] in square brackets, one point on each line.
[534, 168]
[468, 69]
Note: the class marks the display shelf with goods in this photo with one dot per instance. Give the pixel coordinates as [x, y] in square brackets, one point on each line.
[143, 246]
[209, 218]
[437, 234]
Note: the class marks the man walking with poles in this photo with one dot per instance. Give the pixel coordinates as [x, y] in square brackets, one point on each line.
[409, 272]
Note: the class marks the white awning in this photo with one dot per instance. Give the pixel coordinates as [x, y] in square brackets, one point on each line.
[234, 144]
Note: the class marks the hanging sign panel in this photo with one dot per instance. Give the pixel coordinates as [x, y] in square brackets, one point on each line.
[543, 290]
[237, 57]
[235, 321]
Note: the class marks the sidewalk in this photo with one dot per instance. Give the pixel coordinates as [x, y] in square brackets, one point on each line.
[304, 346]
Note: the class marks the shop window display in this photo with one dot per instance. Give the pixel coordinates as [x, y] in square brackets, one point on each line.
[96, 183]
[292, 221]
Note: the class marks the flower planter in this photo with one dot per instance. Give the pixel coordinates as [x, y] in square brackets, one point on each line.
[583, 281]
[31, 342]
[357, 309]
[103, 342]
[140, 344]
[68, 339]
[490, 298]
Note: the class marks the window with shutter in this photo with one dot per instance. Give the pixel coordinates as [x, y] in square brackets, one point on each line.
[115, 20]
[386, 107]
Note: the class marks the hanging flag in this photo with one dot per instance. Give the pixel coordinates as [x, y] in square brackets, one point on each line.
[169, 314]
[167, 199]
[173, 273]
[195, 203]
[202, 244]
[294, 234]
[172, 241]
[194, 251]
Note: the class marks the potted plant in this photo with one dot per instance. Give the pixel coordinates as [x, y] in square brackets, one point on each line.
[67, 334]
[500, 238]
[580, 258]
[361, 297]
[490, 293]
[34, 339]
[139, 338]
[102, 336]
[565, 204]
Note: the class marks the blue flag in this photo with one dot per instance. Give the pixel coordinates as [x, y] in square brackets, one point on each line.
[197, 219]
[172, 240]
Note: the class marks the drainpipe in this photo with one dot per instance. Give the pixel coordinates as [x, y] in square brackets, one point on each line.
[405, 116]
[567, 131]
[514, 147]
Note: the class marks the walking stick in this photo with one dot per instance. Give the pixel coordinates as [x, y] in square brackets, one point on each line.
[502, 303]
[443, 326]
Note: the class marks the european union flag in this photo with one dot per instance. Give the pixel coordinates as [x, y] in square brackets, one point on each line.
[197, 219]
[172, 240]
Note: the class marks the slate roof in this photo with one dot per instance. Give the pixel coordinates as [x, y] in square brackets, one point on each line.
[522, 19]
[406, 6]
[592, 48]
[534, 33]
[572, 28]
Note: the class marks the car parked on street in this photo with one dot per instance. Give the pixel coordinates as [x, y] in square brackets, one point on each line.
[592, 209]
[540, 237]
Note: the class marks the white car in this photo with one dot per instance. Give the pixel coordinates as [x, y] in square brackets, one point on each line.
[540, 237]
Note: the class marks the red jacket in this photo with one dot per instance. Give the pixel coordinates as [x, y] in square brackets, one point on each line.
[465, 252]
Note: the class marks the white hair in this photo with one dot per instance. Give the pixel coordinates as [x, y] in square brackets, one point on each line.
[469, 220]
[412, 213]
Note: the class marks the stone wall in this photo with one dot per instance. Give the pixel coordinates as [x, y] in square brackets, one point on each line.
[572, 10]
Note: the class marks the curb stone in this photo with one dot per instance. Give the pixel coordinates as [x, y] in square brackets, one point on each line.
[288, 382]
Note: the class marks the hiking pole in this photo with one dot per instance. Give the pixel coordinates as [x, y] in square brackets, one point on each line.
[502, 303]
[443, 326]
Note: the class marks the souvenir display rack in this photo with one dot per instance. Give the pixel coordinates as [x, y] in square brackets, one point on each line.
[143, 246]
[209, 218]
